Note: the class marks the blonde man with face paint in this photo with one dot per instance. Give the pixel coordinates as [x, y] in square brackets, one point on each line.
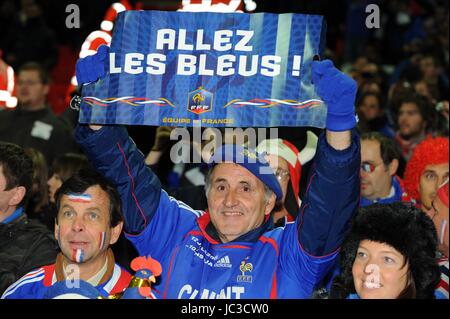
[89, 220]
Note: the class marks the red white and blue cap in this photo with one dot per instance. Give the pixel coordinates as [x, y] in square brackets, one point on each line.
[250, 160]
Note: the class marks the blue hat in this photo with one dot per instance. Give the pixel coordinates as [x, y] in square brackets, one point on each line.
[252, 161]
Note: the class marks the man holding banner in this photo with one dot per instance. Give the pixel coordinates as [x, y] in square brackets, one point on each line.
[232, 250]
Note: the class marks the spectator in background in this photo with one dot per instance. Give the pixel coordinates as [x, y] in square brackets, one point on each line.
[372, 115]
[286, 161]
[29, 39]
[63, 168]
[24, 244]
[433, 76]
[439, 214]
[427, 170]
[38, 205]
[415, 120]
[32, 123]
[380, 160]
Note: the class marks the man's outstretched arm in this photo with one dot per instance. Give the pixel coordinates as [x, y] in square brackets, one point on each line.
[332, 197]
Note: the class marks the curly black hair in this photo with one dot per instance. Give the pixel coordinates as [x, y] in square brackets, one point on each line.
[407, 229]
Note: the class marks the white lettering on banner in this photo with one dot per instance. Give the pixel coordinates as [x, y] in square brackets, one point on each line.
[233, 292]
[202, 64]
[167, 38]
[267, 65]
[242, 44]
[134, 61]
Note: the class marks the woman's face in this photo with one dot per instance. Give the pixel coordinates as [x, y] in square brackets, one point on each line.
[54, 183]
[379, 271]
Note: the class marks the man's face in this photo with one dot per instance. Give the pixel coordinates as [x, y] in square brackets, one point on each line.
[432, 177]
[236, 201]
[281, 169]
[31, 92]
[375, 184]
[54, 183]
[428, 68]
[83, 230]
[370, 108]
[410, 121]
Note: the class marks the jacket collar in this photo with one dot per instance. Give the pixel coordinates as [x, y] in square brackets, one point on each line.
[59, 272]
[14, 217]
[210, 232]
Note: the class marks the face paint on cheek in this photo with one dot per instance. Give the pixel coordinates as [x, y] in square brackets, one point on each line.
[80, 198]
[442, 232]
[102, 241]
[78, 255]
[59, 237]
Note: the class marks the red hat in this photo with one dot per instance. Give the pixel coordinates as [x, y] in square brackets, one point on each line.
[293, 157]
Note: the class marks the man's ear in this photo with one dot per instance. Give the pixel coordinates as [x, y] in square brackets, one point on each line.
[115, 233]
[270, 204]
[19, 194]
[393, 167]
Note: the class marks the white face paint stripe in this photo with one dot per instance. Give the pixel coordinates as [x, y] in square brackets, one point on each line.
[102, 239]
[80, 198]
[442, 233]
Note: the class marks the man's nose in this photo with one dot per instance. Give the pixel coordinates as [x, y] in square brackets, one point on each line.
[230, 198]
[78, 224]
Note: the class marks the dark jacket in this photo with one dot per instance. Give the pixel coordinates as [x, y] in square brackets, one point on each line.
[24, 245]
[41, 130]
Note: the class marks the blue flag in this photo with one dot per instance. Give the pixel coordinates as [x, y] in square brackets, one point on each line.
[209, 69]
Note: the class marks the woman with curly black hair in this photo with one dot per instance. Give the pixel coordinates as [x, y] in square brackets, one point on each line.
[389, 254]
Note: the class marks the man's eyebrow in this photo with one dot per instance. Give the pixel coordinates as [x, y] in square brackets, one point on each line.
[219, 180]
[67, 206]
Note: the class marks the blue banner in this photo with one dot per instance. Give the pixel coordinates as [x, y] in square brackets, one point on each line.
[209, 69]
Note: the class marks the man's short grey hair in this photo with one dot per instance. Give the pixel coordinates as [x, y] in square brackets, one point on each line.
[267, 191]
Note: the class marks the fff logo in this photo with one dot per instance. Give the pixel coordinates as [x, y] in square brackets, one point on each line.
[200, 101]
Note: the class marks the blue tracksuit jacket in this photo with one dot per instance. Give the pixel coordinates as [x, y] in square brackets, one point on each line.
[267, 262]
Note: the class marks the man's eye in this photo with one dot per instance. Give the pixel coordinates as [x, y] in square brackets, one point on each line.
[221, 188]
[68, 214]
[430, 176]
[93, 216]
